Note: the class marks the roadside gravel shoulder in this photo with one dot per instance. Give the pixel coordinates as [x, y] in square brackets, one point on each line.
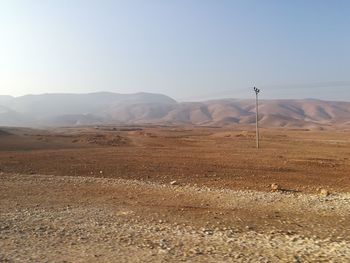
[84, 219]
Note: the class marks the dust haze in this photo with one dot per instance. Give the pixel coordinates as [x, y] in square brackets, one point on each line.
[54, 110]
[174, 131]
[154, 180]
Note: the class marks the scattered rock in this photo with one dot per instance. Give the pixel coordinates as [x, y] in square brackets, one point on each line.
[275, 187]
[324, 192]
[104, 232]
[174, 183]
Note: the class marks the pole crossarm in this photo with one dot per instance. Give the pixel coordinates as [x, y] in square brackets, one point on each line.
[257, 91]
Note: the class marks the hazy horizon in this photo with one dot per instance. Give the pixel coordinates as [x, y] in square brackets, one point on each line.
[188, 50]
[273, 93]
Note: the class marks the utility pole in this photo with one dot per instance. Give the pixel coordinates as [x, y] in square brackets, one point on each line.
[257, 116]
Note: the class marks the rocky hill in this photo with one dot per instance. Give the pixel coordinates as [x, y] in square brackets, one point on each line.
[142, 108]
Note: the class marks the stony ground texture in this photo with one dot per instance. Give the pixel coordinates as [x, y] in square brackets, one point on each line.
[83, 219]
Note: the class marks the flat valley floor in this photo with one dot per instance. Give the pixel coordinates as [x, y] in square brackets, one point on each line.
[170, 194]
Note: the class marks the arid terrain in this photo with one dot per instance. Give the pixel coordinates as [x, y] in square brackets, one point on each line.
[174, 193]
[103, 108]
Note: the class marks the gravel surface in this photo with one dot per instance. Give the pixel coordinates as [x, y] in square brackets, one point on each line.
[79, 219]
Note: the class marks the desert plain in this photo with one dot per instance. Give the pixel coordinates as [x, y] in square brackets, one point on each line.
[174, 193]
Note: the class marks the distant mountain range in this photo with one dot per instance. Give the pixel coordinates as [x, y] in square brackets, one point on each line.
[146, 108]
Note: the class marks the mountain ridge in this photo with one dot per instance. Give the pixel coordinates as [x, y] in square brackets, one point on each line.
[64, 109]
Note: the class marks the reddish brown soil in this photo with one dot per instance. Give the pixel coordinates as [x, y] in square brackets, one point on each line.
[297, 160]
[68, 195]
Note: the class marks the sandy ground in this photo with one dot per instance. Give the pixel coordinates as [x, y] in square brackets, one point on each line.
[106, 195]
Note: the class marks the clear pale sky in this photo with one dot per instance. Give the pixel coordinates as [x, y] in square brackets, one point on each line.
[183, 48]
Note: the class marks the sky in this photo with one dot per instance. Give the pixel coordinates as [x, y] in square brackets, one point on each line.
[187, 49]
